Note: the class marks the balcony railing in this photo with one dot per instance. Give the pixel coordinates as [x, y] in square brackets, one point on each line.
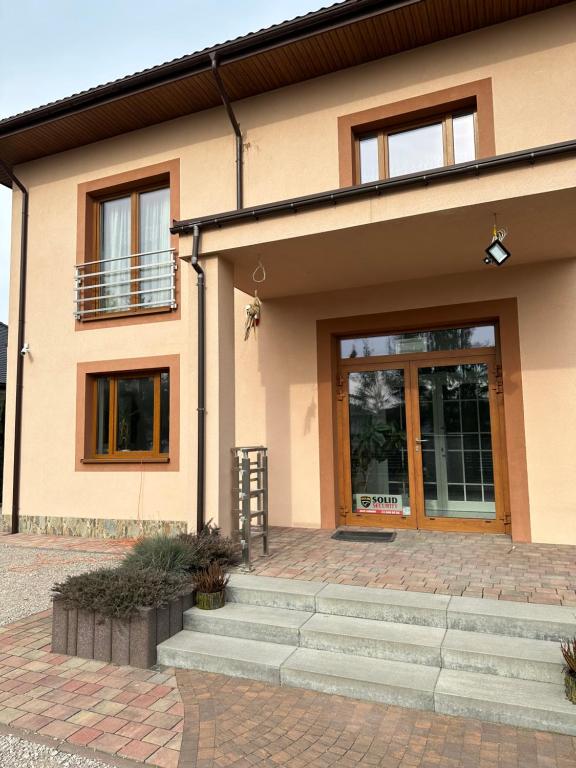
[136, 282]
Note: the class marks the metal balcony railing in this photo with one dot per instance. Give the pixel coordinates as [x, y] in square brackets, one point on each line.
[124, 283]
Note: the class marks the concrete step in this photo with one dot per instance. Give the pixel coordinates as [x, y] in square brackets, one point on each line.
[500, 617]
[515, 657]
[377, 639]
[226, 655]
[383, 604]
[524, 703]
[253, 622]
[275, 593]
[389, 682]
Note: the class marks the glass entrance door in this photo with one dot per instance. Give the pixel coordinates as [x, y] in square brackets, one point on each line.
[377, 461]
[455, 444]
[420, 442]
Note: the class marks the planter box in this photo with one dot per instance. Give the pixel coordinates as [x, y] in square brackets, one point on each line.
[124, 642]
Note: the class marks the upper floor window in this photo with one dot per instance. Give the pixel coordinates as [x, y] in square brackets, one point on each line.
[134, 251]
[400, 150]
[126, 262]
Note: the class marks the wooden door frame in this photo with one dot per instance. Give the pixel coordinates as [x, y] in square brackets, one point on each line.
[344, 463]
[469, 525]
[504, 312]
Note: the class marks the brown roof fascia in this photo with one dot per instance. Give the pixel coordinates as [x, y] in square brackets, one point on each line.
[309, 25]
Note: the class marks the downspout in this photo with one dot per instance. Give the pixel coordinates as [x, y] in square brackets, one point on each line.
[20, 354]
[237, 132]
[201, 460]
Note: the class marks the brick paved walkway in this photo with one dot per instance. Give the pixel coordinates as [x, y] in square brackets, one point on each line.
[149, 716]
[122, 711]
[418, 561]
[242, 723]
[423, 561]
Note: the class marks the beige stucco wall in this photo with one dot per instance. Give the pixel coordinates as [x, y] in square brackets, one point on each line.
[291, 138]
[276, 383]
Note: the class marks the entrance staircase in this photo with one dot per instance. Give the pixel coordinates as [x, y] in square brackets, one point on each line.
[488, 659]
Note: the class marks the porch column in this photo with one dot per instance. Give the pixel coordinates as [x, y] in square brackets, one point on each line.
[220, 390]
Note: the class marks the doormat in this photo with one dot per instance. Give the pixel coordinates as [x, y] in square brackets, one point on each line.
[380, 536]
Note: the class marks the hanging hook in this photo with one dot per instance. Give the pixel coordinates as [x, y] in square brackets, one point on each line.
[259, 268]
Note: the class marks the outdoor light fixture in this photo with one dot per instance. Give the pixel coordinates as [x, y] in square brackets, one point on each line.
[497, 253]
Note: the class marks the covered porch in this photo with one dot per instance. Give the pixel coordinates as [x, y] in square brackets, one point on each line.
[410, 262]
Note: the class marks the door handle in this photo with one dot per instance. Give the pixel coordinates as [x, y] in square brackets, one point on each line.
[419, 440]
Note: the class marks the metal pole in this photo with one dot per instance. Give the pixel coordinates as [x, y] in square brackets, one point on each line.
[245, 506]
[19, 356]
[264, 486]
[235, 128]
[201, 468]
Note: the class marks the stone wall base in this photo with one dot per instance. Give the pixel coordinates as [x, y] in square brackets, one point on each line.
[97, 528]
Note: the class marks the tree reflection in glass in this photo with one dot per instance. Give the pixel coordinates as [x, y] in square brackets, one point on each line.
[378, 433]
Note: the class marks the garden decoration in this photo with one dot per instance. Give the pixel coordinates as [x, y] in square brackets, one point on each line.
[254, 309]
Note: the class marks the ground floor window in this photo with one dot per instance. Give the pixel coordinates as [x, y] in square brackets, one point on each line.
[131, 413]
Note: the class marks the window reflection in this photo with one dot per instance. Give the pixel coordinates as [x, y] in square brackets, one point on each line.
[421, 341]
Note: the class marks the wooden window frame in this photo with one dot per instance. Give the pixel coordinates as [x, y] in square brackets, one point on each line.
[134, 195]
[90, 197]
[86, 373]
[113, 453]
[420, 110]
[445, 119]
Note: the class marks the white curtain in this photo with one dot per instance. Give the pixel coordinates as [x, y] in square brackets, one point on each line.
[154, 223]
[115, 242]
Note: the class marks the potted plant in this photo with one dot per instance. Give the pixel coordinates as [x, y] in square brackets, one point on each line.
[569, 652]
[210, 585]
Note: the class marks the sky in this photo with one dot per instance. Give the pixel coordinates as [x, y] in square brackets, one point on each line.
[54, 48]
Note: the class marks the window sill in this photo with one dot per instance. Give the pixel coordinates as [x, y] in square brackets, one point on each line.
[131, 460]
[127, 313]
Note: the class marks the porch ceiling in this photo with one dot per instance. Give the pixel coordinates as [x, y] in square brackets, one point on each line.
[540, 227]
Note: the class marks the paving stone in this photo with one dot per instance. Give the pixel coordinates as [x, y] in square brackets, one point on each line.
[252, 622]
[391, 682]
[367, 637]
[526, 703]
[542, 622]
[275, 593]
[228, 655]
[383, 604]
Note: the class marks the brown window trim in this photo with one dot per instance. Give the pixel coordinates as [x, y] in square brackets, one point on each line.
[400, 114]
[90, 195]
[86, 460]
[118, 460]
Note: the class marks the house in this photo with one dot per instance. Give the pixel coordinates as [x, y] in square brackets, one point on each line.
[351, 167]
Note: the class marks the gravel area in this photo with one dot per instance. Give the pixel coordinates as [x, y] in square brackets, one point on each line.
[16, 753]
[27, 576]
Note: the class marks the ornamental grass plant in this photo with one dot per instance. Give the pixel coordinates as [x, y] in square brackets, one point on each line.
[209, 546]
[186, 553]
[156, 570]
[211, 579]
[161, 553]
[119, 592]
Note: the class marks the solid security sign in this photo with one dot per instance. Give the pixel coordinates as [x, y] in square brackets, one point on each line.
[377, 504]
